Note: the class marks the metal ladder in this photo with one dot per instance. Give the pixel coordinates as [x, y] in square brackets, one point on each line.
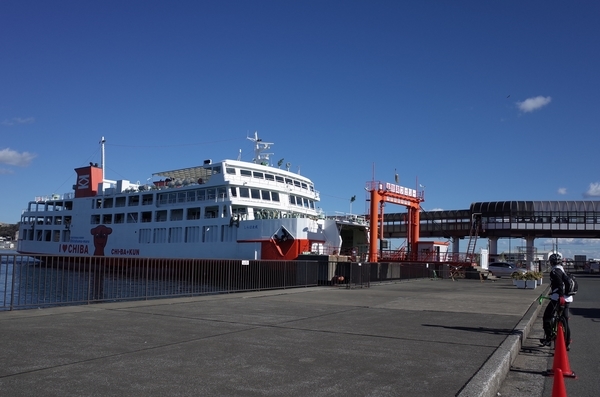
[473, 234]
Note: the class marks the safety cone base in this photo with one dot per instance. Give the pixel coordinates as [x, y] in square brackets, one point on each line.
[561, 358]
[572, 375]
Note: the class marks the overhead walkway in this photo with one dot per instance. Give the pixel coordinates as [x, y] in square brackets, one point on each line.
[505, 219]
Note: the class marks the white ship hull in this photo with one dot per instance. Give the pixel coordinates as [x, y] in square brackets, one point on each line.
[226, 210]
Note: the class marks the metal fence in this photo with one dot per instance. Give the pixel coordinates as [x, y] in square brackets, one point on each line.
[28, 282]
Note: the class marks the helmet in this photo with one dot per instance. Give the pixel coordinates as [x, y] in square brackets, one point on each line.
[555, 259]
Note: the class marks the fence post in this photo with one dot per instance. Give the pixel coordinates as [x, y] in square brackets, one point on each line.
[12, 287]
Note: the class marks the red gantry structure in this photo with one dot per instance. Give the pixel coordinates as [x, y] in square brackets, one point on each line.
[384, 192]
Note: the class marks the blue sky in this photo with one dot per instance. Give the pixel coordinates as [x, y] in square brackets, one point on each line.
[476, 100]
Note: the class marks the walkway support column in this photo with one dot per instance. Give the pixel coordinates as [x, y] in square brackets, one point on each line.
[455, 246]
[493, 246]
[529, 250]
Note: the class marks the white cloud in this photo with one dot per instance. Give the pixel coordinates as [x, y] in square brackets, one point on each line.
[12, 157]
[18, 120]
[531, 104]
[593, 190]
[562, 190]
[5, 171]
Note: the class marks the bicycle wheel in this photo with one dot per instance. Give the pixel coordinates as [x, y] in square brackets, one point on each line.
[563, 323]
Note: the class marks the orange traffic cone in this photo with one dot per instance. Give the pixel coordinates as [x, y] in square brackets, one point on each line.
[561, 360]
[558, 387]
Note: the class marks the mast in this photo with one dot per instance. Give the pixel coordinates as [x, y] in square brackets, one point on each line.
[259, 147]
[102, 157]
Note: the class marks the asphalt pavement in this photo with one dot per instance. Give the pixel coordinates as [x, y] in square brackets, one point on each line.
[410, 338]
[528, 374]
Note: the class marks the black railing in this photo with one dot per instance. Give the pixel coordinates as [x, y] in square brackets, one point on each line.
[46, 281]
[356, 274]
[27, 282]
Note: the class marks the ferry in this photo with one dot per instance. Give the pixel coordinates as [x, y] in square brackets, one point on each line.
[231, 209]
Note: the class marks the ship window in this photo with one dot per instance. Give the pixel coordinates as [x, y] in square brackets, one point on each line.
[296, 183]
[230, 170]
[47, 235]
[58, 220]
[177, 215]
[210, 194]
[312, 204]
[56, 236]
[191, 195]
[312, 188]
[48, 220]
[147, 199]
[258, 175]
[134, 200]
[304, 186]
[95, 220]
[244, 192]
[222, 192]
[216, 170]
[145, 236]
[255, 193]
[147, 216]
[193, 213]
[266, 195]
[132, 217]
[292, 200]
[172, 198]
[108, 203]
[209, 233]
[239, 212]
[181, 197]
[107, 218]
[175, 234]
[201, 194]
[120, 202]
[119, 218]
[211, 212]
[98, 203]
[269, 177]
[289, 181]
[279, 178]
[161, 216]
[245, 173]
[192, 234]
[305, 202]
[160, 235]
[275, 196]
[233, 191]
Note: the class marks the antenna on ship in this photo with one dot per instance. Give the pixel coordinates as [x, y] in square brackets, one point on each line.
[259, 147]
[102, 157]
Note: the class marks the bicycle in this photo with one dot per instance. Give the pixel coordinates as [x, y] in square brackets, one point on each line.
[558, 318]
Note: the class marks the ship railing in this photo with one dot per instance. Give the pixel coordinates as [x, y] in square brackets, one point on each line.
[349, 218]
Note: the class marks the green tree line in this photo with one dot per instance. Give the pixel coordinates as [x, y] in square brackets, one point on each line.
[8, 231]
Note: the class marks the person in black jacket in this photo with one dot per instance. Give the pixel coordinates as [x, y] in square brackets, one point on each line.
[558, 278]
